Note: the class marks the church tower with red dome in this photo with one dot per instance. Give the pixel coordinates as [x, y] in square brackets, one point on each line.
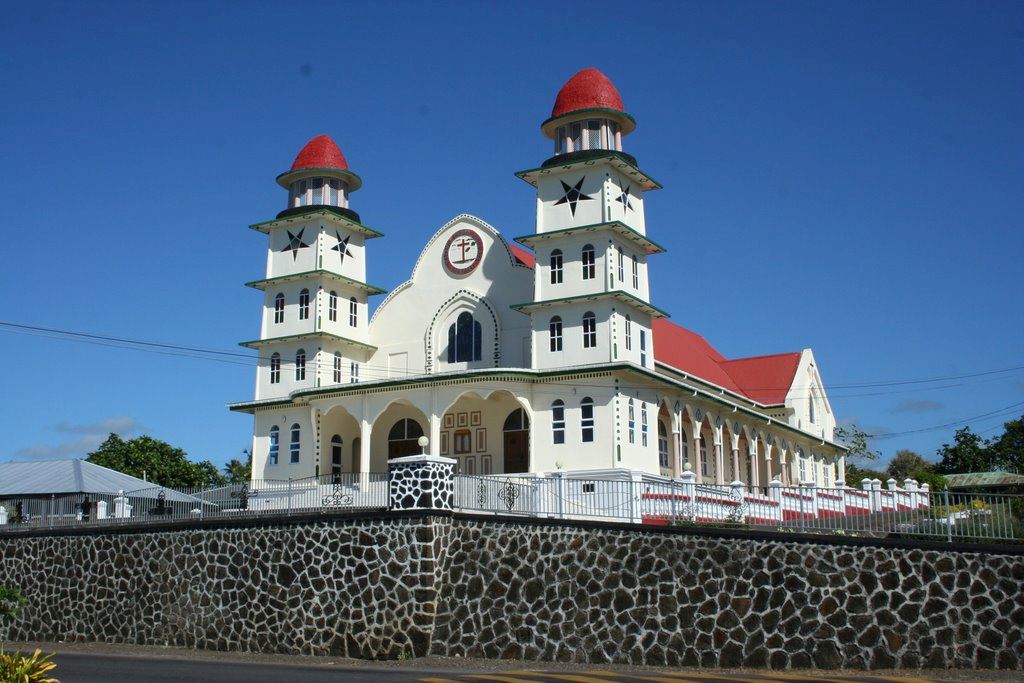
[591, 297]
[315, 327]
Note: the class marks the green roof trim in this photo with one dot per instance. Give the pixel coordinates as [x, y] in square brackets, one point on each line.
[612, 158]
[618, 294]
[983, 480]
[257, 343]
[320, 212]
[618, 227]
[499, 373]
[310, 274]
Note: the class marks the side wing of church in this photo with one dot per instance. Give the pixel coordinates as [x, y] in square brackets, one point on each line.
[540, 354]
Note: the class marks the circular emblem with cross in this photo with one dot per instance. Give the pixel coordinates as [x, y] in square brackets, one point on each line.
[463, 252]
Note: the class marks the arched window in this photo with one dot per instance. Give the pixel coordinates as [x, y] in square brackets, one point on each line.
[629, 333]
[296, 436]
[636, 273]
[516, 421]
[643, 424]
[558, 421]
[275, 444]
[337, 367]
[465, 342]
[336, 454]
[589, 261]
[332, 306]
[662, 445]
[587, 419]
[279, 308]
[632, 422]
[589, 330]
[300, 365]
[622, 269]
[275, 368]
[353, 312]
[403, 438]
[556, 267]
[555, 333]
[304, 304]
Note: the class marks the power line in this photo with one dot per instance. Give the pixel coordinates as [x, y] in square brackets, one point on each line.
[1006, 410]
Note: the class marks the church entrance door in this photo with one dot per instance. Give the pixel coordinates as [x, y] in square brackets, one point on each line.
[517, 442]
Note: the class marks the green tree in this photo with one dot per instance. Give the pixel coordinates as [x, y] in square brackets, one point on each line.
[935, 481]
[905, 463]
[162, 464]
[1008, 449]
[239, 472]
[968, 453]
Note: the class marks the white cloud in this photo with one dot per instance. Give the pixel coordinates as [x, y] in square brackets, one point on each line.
[89, 437]
[918, 406]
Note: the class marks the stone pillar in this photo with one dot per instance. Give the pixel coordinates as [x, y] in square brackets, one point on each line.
[910, 486]
[782, 467]
[775, 493]
[101, 509]
[768, 474]
[924, 495]
[689, 491]
[810, 489]
[3, 515]
[421, 482]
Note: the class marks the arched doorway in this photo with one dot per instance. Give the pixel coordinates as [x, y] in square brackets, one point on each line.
[517, 441]
[403, 437]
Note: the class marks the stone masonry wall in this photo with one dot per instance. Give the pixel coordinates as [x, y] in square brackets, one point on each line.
[452, 585]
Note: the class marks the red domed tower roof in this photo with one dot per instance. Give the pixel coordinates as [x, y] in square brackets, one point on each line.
[320, 152]
[320, 157]
[588, 91]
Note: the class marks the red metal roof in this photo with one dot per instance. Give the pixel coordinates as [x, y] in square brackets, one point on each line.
[588, 89]
[764, 379]
[320, 152]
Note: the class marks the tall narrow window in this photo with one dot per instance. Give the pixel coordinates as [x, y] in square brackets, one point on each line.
[622, 266]
[318, 190]
[354, 373]
[556, 267]
[300, 365]
[636, 272]
[275, 368]
[684, 450]
[703, 459]
[279, 308]
[555, 333]
[594, 134]
[304, 304]
[577, 136]
[332, 307]
[662, 445]
[643, 425]
[296, 435]
[631, 431]
[643, 347]
[803, 467]
[558, 421]
[629, 333]
[275, 444]
[336, 454]
[465, 341]
[589, 262]
[589, 330]
[810, 407]
[353, 312]
[334, 184]
[337, 367]
[587, 420]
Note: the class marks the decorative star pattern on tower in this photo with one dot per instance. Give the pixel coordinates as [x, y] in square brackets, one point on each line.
[624, 199]
[342, 247]
[295, 243]
[572, 195]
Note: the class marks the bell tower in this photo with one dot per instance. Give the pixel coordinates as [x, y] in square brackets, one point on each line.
[591, 298]
[314, 328]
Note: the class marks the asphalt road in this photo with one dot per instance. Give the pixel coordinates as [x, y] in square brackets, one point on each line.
[101, 667]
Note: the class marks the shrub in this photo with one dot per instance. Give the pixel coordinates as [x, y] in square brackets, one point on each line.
[19, 668]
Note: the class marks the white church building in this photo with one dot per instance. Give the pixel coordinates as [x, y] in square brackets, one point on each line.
[538, 353]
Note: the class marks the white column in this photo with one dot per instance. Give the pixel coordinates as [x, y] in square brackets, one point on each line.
[783, 470]
[3, 515]
[365, 432]
[719, 459]
[435, 434]
[755, 479]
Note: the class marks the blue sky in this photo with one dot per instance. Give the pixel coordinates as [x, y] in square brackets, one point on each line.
[841, 176]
